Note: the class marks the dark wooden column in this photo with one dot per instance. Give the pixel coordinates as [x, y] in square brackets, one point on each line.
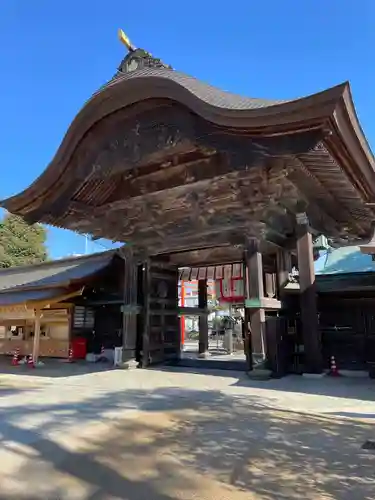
[130, 306]
[203, 320]
[308, 300]
[247, 317]
[255, 295]
[145, 323]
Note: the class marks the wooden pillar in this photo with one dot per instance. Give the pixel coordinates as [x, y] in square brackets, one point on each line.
[284, 267]
[247, 328]
[182, 319]
[36, 342]
[256, 294]
[203, 320]
[130, 305]
[145, 334]
[308, 301]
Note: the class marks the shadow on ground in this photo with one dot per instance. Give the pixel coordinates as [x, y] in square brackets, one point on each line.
[344, 387]
[8, 390]
[175, 443]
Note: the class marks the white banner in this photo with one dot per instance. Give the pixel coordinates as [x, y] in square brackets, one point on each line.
[229, 290]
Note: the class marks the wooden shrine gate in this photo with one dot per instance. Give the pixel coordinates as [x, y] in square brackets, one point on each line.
[161, 323]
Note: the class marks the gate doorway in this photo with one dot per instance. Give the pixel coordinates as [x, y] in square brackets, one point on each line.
[160, 325]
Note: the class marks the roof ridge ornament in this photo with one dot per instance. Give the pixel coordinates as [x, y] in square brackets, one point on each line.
[125, 40]
[137, 58]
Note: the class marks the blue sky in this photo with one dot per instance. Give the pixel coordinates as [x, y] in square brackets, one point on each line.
[55, 54]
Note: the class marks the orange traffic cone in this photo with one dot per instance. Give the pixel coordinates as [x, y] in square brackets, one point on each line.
[333, 370]
[16, 357]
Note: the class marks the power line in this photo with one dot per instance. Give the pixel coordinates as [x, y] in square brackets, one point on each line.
[95, 242]
[101, 245]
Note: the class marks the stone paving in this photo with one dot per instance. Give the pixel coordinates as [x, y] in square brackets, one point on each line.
[71, 433]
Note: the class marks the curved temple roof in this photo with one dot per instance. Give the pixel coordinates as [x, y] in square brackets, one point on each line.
[330, 113]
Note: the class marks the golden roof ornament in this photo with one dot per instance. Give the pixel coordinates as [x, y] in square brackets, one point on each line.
[125, 40]
[136, 58]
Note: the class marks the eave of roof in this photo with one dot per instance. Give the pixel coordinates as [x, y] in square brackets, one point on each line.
[214, 105]
[339, 283]
[347, 143]
[32, 297]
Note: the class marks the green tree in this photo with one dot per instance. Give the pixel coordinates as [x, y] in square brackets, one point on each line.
[21, 243]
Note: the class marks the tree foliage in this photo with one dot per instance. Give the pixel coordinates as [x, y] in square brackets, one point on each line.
[21, 243]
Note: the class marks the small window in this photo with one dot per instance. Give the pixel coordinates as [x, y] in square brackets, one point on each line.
[84, 317]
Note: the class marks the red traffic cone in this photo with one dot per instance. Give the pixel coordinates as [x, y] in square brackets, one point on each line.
[70, 358]
[101, 357]
[16, 357]
[333, 369]
[70, 355]
[30, 361]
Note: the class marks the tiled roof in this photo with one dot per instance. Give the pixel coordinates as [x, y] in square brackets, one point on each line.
[52, 274]
[203, 91]
[344, 260]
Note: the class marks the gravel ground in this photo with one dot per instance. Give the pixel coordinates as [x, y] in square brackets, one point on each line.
[163, 435]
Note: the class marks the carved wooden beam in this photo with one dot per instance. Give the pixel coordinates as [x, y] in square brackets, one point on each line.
[169, 175]
[206, 212]
[193, 243]
[221, 192]
[208, 256]
[210, 220]
[212, 184]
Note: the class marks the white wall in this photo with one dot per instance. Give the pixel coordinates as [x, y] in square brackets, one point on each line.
[58, 331]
